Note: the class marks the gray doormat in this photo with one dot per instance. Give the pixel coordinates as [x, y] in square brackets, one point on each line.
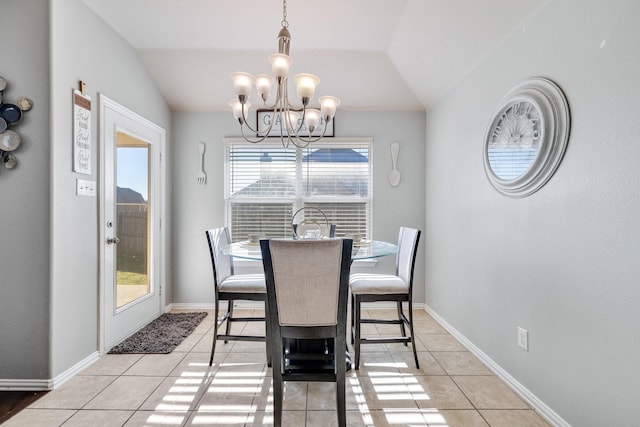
[162, 335]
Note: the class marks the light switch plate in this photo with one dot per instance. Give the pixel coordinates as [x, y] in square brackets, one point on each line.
[85, 188]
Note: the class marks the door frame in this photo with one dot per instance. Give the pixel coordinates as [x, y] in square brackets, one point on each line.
[108, 105]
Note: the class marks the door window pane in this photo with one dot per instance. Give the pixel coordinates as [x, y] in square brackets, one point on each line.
[132, 219]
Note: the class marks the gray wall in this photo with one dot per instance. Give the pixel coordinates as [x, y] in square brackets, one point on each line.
[48, 246]
[94, 53]
[24, 209]
[562, 263]
[197, 208]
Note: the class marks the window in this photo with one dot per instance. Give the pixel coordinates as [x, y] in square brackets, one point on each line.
[266, 184]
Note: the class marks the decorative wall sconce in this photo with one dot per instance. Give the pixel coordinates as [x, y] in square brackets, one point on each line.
[10, 115]
[394, 173]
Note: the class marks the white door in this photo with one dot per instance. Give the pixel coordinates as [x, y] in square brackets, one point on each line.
[130, 215]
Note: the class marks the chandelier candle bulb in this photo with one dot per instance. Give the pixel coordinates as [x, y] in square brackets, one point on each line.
[280, 64]
[242, 83]
[264, 82]
[312, 119]
[328, 106]
[238, 108]
[306, 85]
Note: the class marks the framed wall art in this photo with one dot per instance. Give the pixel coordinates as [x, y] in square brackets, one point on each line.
[265, 117]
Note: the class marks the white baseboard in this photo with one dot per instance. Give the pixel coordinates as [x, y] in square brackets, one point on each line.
[193, 306]
[75, 369]
[48, 384]
[259, 304]
[24, 385]
[545, 411]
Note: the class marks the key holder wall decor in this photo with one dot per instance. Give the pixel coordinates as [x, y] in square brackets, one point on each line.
[10, 116]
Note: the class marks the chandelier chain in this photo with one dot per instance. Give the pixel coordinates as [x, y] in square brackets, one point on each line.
[285, 23]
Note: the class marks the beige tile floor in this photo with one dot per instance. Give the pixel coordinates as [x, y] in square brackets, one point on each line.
[451, 388]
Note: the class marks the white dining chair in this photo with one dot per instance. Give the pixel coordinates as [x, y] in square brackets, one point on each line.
[398, 288]
[231, 287]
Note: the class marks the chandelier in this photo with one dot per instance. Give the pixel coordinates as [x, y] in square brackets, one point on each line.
[295, 122]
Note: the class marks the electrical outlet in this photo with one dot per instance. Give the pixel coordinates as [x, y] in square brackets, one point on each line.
[523, 339]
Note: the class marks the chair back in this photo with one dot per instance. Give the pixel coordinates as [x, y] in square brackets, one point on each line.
[222, 263]
[408, 239]
[307, 280]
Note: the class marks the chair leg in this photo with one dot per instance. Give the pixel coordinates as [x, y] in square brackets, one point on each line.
[356, 346]
[353, 318]
[230, 311]
[267, 336]
[216, 313]
[400, 317]
[277, 400]
[278, 383]
[340, 382]
[413, 339]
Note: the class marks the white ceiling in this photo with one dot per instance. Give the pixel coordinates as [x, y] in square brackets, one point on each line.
[372, 54]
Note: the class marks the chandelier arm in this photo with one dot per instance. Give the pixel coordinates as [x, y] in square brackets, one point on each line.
[249, 139]
[296, 141]
[278, 99]
[285, 99]
[270, 107]
[286, 142]
[307, 141]
[291, 129]
[277, 112]
[284, 130]
[304, 113]
[294, 107]
[246, 123]
[286, 108]
[299, 145]
[312, 139]
[268, 130]
[258, 138]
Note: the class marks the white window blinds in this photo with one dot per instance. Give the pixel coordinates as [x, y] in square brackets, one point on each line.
[266, 184]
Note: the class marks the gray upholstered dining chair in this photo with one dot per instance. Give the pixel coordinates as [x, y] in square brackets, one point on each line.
[230, 287]
[307, 294]
[371, 287]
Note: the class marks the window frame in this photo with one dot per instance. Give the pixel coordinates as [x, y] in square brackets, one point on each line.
[299, 198]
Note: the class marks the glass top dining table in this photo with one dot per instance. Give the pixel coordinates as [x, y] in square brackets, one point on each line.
[367, 249]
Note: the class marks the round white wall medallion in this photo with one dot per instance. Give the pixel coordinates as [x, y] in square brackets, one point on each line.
[527, 137]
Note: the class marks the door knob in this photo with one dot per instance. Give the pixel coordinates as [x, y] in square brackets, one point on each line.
[113, 240]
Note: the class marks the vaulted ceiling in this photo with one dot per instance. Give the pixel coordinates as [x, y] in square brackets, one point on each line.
[372, 54]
